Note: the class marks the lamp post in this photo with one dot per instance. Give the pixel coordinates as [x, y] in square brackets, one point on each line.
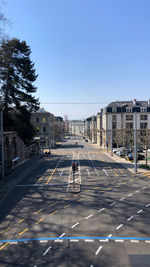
[135, 142]
[2, 143]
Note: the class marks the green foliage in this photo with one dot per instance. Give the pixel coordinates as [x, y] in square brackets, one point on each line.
[17, 77]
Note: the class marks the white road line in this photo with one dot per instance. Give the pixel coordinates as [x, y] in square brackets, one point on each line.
[147, 241]
[98, 250]
[110, 235]
[75, 225]
[43, 241]
[134, 241]
[144, 187]
[101, 209]
[130, 218]
[58, 240]
[119, 226]
[74, 240]
[105, 172]
[88, 217]
[62, 235]
[103, 240]
[137, 191]
[46, 251]
[148, 205]
[119, 240]
[122, 198]
[89, 240]
[130, 195]
[139, 211]
[13, 243]
[112, 204]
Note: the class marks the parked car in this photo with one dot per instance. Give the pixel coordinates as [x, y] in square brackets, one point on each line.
[140, 149]
[130, 156]
[140, 157]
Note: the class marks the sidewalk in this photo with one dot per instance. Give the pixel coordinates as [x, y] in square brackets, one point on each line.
[126, 164]
[18, 175]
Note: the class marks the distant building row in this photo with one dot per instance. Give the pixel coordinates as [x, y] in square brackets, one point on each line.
[115, 123]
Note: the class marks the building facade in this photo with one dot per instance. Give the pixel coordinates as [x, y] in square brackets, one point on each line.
[43, 122]
[119, 120]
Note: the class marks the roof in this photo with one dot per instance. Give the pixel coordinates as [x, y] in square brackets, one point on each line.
[132, 103]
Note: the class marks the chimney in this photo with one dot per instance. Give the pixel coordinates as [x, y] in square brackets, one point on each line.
[134, 101]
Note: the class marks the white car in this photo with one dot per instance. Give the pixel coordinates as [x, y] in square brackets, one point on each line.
[148, 150]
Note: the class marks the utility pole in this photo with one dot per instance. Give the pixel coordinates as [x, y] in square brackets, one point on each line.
[2, 144]
[112, 141]
[135, 142]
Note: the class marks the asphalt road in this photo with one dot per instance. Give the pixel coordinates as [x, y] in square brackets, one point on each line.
[98, 217]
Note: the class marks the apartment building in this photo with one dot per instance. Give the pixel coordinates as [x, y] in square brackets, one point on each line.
[119, 120]
[43, 122]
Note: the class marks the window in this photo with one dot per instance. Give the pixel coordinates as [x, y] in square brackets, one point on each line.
[143, 125]
[37, 120]
[44, 120]
[143, 109]
[44, 129]
[113, 117]
[113, 109]
[143, 117]
[129, 125]
[128, 109]
[37, 129]
[129, 117]
[114, 125]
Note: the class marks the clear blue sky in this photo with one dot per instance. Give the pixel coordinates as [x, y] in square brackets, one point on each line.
[85, 50]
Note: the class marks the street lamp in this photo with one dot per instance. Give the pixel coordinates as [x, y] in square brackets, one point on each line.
[2, 141]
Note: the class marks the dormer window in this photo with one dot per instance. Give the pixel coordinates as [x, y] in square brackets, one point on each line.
[128, 109]
[113, 109]
[143, 109]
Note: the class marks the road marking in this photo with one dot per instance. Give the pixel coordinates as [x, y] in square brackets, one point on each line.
[130, 195]
[105, 172]
[74, 240]
[144, 187]
[75, 225]
[98, 250]
[110, 235]
[39, 221]
[5, 230]
[52, 204]
[119, 226]
[103, 240]
[112, 204]
[137, 191]
[148, 205]
[130, 218]
[80, 199]
[62, 235]
[101, 209]
[58, 240]
[122, 198]
[43, 241]
[147, 241]
[139, 211]
[22, 220]
[25, 230]
[46, 251]
[134, 241]
[67, 206]
[88, 217]
[4, 246]
[51, 176]
[36, 212]
[89, 240]
[119, 240]
[54, 212]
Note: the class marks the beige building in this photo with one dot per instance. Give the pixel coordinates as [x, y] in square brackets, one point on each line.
[43, 122]
[119, 120]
